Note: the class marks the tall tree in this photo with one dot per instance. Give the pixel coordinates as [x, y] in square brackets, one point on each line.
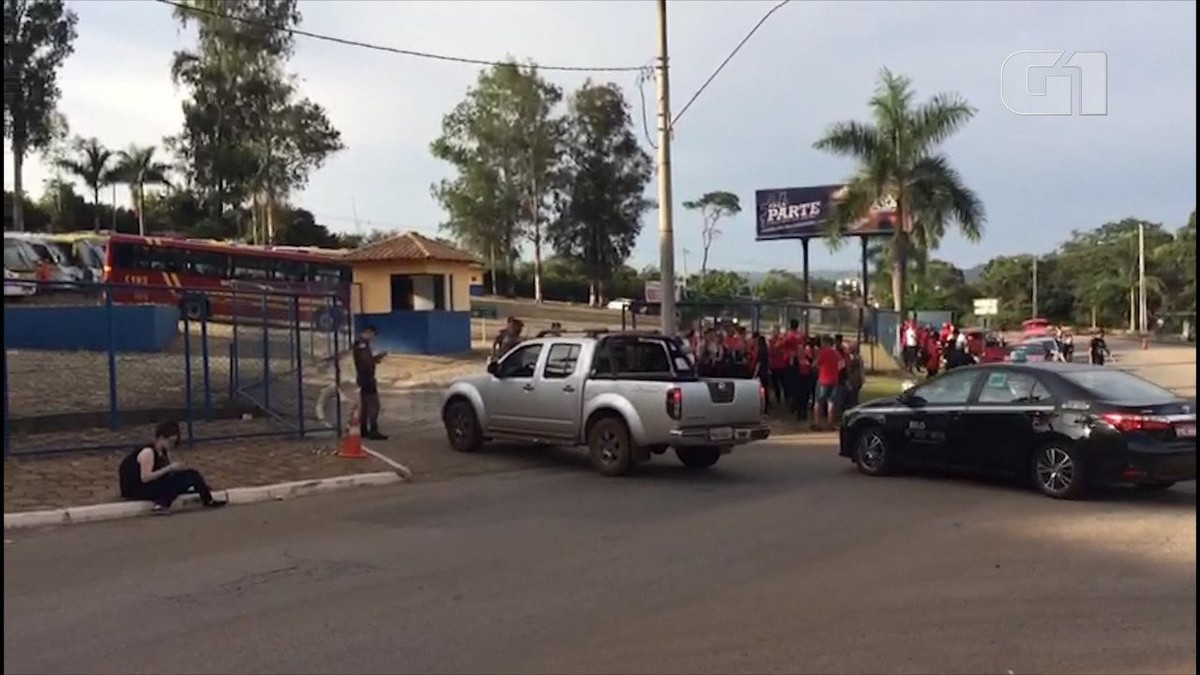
[137, 167]
[504, 141]
[713, 207]
[93, 165]
[898, 160]
[246, 135]
[38, 37]
[601, 201]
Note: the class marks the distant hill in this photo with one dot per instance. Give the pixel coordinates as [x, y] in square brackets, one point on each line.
[971, 275]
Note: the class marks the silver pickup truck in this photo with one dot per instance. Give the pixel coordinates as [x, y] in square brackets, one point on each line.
[624, 395]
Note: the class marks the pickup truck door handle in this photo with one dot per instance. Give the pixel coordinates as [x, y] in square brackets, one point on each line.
[528, 387]
[569, 389]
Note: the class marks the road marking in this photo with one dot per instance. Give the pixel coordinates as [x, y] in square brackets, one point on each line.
[324, 397]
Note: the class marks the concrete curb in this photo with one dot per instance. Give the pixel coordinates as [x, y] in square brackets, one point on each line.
[247, 495]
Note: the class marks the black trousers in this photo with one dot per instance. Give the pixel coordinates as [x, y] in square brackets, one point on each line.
[166, 489]
[369, 415]
[802, 402]
[778, 385]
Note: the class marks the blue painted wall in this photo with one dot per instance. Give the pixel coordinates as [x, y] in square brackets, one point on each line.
[477, 291]
[419, 332]
[137, 328]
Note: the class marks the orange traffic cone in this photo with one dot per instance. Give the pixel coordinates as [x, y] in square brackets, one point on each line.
[352, 447]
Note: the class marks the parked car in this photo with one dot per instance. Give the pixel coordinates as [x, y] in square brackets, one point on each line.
[1065, 427]
[624, 395]
[20, 264]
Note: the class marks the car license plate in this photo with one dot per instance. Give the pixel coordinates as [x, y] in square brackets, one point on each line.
[742, 434]
[720, 434]
[1185, 430]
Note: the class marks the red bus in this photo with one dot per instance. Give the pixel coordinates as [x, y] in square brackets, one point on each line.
[218, 280]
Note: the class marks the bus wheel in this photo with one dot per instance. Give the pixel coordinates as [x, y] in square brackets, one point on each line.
[324, 321]
[195, 309]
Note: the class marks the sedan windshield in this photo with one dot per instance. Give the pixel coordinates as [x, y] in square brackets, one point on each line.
[1118, 385]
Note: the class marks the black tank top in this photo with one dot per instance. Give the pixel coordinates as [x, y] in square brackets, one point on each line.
[130, 473]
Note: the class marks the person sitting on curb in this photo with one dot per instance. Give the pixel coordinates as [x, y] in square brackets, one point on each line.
[148, 474]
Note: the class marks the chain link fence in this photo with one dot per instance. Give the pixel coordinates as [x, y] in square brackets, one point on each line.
[92, 367]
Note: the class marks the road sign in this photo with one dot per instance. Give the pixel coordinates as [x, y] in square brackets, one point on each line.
[987, 306]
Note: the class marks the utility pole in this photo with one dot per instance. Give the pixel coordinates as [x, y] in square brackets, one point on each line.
[1034, 310]
[666, 233]
[1143, 316]
[686, 253]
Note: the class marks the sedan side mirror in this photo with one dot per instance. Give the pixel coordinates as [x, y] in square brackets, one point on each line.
[493, 367]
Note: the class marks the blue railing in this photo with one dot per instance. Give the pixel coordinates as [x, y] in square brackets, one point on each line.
[94, 366]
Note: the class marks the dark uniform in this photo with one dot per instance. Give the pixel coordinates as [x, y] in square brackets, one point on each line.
[1098, 349]
[364, 370]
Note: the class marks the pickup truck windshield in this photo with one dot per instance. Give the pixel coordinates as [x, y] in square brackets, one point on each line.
[639, 357]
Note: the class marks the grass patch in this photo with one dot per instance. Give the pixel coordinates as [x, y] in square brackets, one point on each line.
[881, 386]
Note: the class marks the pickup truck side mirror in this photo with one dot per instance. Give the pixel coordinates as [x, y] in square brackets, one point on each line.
[493, 367]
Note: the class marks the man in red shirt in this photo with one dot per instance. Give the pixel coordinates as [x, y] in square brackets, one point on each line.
[790, 345]
[778, 363]
[829, 370]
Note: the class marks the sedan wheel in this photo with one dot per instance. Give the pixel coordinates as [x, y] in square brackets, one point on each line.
[872, 454]
[1057, 474]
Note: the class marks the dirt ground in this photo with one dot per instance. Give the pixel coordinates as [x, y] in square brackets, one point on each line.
[80, 479]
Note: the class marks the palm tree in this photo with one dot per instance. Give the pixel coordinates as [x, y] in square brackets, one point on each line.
[898, 159]
[91, 165]
[137, 167]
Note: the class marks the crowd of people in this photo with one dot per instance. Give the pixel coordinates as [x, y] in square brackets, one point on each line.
[815, 377]
[936, 350]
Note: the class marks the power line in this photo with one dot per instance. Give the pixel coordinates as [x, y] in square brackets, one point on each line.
[726, 61]
[393, 50]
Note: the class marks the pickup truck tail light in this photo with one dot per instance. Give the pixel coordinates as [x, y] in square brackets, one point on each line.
[762, 400]
[675, 403]
[1129, 423]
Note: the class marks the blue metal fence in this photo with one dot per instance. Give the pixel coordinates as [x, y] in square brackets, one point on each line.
[94, 366]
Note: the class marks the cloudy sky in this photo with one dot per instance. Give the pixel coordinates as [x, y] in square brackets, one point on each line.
[813, 63]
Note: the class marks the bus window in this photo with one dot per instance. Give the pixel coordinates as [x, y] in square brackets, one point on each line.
[252, 269]
[292, 271]
[331, 275]
[208, 264]
[162, 259]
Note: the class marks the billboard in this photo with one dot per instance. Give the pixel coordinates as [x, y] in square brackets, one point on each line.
[803, 213]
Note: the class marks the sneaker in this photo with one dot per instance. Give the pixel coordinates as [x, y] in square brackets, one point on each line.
[215, 504]
[160, 510]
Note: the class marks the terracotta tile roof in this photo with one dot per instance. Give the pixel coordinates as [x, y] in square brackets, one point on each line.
[411, 246]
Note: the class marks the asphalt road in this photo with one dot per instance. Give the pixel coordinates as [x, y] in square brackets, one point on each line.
[782, 559]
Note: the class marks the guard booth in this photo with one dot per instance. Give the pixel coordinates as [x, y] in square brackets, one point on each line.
[416, 292]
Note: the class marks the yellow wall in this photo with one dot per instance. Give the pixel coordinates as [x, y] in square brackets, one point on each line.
[375, 281]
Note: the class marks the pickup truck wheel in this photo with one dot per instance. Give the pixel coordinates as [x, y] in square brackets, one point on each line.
[610, 447]
[700, 457]
[462, 426]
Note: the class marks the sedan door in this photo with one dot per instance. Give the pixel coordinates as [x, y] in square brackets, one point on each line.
[934, 430]
[510, 400]
[1005, 420]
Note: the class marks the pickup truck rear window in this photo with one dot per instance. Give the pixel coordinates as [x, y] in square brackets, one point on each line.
[619, 357]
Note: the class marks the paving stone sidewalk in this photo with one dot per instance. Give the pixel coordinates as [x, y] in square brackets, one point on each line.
[80, 479]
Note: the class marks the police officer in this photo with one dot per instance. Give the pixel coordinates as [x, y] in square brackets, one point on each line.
[364, 368]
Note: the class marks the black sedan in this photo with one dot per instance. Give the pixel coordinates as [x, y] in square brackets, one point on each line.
[1066, 427]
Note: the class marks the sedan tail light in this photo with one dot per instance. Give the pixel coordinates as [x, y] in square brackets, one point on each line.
[1129, 423]
[675, 403]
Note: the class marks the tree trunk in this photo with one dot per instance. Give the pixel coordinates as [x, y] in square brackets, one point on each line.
[18, 205]
[899, 271]
[96, 208]
[1132, 309]
[141, 209]
[492, 257]
[601, 293]
[704, 260]
[510, 265]
[536, 232]
[1094, 312]
[270, 206]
